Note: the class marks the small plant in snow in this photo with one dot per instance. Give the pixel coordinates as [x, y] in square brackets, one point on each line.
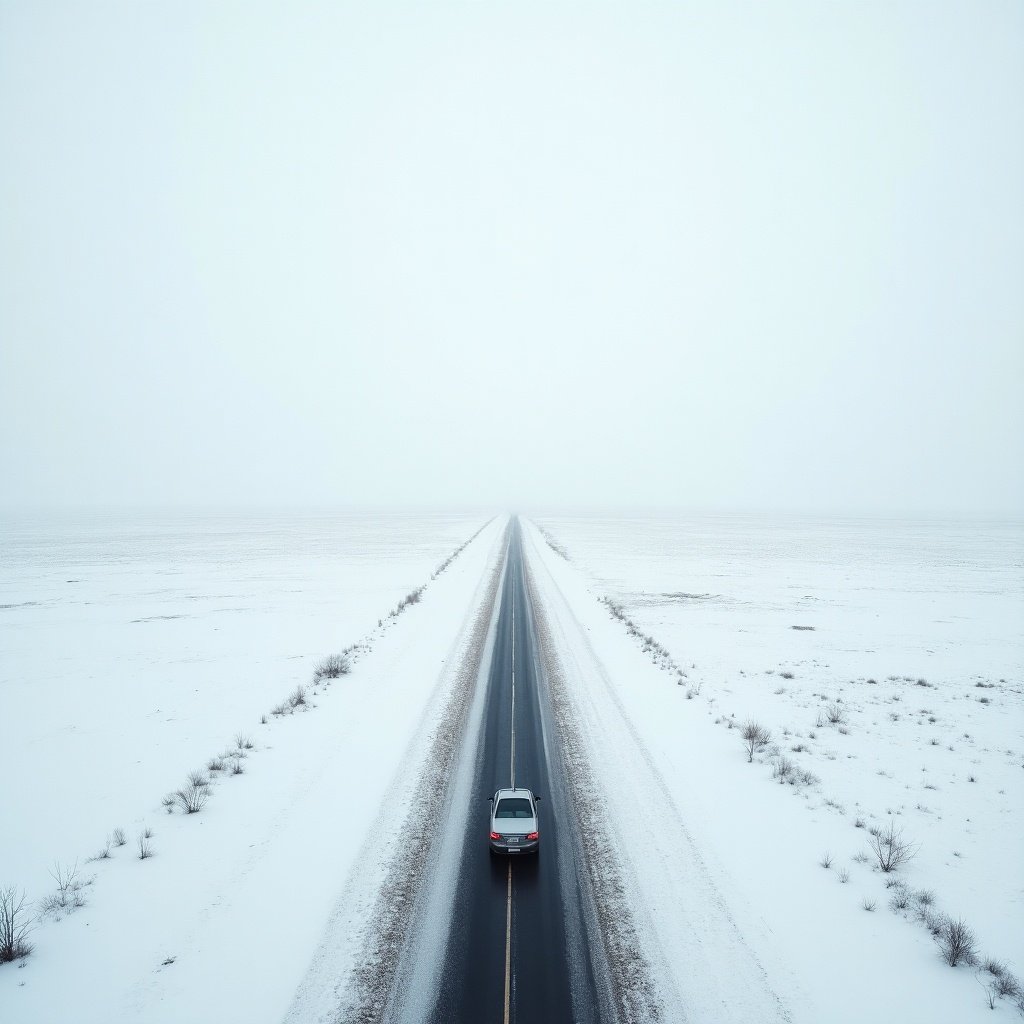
[15, 925]
[237, 768]
[900, 898]
[826, 860]
[890, 848]
[334, 666]
[118, 838]
[957, 943]
[243, 742]
[1006, 985]
[69, 895]
[835, 714]
[192, 797]
[215, 764]
[145, 846]
[991, 965]
[755, 738]
[843, 875]
[868, 905]
[298, 698]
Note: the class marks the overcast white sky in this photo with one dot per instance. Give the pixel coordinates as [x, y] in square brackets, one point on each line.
[765, 255]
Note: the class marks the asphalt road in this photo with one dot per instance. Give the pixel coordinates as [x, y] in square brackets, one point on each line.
[518, 948]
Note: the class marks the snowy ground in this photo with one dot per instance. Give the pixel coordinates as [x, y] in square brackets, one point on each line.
[133, 651]
[177, 633]
[913, 631]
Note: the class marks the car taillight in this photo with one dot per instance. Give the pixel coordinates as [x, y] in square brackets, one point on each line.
[533, 835]
[495, 835]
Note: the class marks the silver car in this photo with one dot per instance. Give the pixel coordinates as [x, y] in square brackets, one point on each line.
[515, 827]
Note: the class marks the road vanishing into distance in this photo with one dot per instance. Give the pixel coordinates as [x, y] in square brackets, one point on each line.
[518, 947]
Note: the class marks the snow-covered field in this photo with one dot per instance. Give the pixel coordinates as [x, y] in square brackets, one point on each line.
[912, 631]
[134, 649]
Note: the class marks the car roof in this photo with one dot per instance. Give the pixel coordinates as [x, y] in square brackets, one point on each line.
[513, 792]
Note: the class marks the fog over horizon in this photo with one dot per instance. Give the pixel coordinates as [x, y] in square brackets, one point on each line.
[713, 256]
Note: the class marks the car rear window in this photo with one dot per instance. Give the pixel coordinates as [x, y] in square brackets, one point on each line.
[514, 807]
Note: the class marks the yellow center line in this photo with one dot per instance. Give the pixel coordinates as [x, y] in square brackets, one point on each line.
[508, 947]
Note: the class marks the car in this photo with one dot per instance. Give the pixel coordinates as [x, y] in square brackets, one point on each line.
[515, 827]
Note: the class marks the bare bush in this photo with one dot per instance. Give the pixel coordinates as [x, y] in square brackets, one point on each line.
[843, 875]
[891, 849]
[993, 966]
[835, 714]
[69, 895]
[145, 846]
[826, 860]
[237, 768]
[118, 838]
[336, 665]
[755, 738]
[69, 885]
[243, 741]
[868, 905]
[298, 698]
[215, 764]
[15, 925]
[957, 943]
[900, 898]
[1007, 985]
[784, 770]
[192, 797]
[413, 597]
